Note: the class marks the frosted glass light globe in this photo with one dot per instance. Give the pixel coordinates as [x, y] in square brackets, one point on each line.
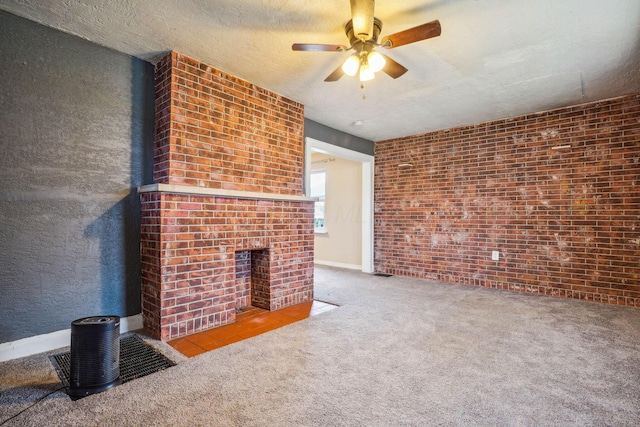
[376, 61]
[366, 73]
[351, 65]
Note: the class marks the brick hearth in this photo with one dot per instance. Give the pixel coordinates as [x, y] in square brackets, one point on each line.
[226, 225]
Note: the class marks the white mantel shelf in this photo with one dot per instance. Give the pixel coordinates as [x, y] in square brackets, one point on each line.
[219, 192]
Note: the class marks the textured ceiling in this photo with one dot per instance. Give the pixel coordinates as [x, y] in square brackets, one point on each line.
[494, 59]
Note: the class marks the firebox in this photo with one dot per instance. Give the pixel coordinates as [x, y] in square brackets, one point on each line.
[252, 279]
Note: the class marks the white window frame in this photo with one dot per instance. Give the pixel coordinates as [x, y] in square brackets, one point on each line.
[321, 199]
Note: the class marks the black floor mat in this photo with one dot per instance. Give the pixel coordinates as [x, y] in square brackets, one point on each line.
[137, 359]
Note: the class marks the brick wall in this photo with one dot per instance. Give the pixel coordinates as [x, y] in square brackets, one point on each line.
[203, 255]
[189, 277]
[214, 130]
[556, 193]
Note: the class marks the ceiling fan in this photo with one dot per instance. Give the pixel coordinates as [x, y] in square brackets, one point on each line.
[363, 31]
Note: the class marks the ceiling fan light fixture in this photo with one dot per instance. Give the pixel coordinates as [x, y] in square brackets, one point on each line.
[351, 65]
[366, 73]
[376, 61]
[363, 31]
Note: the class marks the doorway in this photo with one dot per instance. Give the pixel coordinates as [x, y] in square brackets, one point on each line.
[366, 212]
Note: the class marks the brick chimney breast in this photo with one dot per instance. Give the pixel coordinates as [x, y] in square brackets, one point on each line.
[228, 171]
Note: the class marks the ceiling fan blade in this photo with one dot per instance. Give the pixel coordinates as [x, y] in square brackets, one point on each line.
[362, 18]
[415, 34]
[310, 47]
[335, 76]
[392, 68]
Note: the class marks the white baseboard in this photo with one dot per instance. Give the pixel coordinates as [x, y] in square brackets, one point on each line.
[338, 264]
[58, 339]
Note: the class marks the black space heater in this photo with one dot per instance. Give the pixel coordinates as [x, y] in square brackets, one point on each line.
[95, 355]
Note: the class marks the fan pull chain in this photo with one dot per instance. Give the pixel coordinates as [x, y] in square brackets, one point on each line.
[364, 96]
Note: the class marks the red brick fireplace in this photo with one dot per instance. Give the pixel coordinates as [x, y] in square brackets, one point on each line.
[225, 225]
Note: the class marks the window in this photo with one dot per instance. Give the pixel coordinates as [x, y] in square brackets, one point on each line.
[318, 186]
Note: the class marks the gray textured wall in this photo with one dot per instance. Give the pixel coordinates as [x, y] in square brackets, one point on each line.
[76, 139]
[329, 135]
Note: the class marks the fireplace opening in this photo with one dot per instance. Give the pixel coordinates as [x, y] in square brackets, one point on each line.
[252, 279]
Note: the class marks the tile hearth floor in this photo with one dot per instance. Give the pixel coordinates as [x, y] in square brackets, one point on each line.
[249, 323]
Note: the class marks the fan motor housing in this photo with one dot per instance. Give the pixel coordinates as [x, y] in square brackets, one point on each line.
[377, 27]
[95, 355]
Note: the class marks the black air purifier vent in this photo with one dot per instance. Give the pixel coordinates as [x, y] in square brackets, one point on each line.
[95, 355]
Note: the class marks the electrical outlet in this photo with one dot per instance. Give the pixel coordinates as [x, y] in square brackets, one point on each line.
[495, 255]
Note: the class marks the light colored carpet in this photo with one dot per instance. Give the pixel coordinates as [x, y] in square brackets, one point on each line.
[397, 351]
